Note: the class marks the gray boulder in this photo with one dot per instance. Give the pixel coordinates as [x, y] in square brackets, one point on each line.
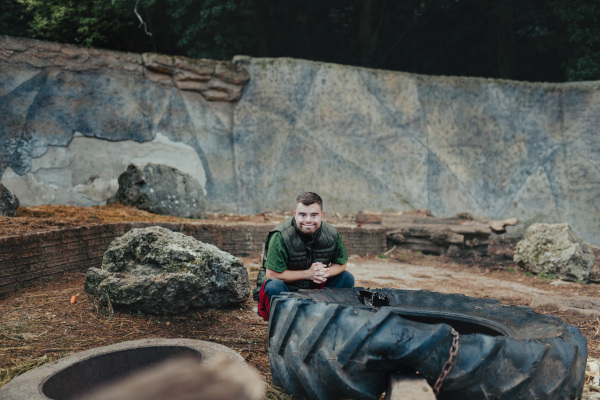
[160, 189]
[8, 202]
[157, 271]
[555, 249]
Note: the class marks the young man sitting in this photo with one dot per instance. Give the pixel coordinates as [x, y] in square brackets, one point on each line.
[301, 253]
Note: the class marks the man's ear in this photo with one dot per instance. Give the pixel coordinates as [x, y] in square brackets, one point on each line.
[294, 213]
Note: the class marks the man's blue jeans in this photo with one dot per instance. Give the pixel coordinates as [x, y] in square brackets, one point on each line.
[273, 287]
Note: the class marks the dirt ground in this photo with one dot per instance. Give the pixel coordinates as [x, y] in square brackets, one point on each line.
[39, 324]
[48, 218]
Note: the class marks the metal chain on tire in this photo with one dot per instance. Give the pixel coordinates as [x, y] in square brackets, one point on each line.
[448, 365]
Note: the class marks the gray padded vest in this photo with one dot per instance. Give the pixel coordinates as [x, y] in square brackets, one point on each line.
[302, 251]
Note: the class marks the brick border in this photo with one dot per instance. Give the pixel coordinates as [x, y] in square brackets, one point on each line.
[33, 257]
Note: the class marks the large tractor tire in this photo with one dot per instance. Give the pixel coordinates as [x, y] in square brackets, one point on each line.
[345, 343]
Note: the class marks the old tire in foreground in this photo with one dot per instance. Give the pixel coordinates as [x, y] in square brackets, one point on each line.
[345, 343]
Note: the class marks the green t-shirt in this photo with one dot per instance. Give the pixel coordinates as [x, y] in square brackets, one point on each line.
[277, 256]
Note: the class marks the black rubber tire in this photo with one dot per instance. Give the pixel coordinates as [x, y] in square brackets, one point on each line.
[345, 343]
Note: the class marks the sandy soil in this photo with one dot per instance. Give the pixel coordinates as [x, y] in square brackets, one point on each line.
[38, 324]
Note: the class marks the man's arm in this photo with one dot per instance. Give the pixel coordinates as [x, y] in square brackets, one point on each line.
[335, 269]
[323, 272]
[318, 272]
[292, 276]
[338, 265]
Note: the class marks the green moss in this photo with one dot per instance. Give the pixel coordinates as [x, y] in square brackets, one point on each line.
[173, 267]
[547, 276]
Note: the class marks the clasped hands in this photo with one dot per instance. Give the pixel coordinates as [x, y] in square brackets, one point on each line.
[320, 272]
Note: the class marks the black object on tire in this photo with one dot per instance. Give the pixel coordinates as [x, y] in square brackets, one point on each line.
[345, 343]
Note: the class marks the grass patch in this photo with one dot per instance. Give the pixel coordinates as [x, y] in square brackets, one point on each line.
[6, 374]
[546, 276]
[13, 331]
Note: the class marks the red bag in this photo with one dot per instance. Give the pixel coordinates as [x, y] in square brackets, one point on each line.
[264, 306]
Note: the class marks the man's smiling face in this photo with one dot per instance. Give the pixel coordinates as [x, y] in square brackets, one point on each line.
[308, 218]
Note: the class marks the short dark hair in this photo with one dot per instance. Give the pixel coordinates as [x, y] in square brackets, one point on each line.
[308, 198]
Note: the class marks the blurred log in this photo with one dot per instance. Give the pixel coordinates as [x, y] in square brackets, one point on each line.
[420, 230]
[393, 220]
[500, 226]
[424, 246]
[368, 217]
[453, 231]
[403, 387]
[187, 379]
[374, 217]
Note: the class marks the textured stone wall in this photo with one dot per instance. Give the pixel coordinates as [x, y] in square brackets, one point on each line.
[381, 140]
[31, 258]
[365, 139]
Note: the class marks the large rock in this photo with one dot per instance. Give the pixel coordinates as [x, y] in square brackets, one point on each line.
[555, 249]
[8, 202]
[157, 271]
[161, 189]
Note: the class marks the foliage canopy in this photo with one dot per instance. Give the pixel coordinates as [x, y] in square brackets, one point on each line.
[535, 40]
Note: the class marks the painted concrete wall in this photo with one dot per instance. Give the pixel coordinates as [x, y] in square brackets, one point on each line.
[72, 119]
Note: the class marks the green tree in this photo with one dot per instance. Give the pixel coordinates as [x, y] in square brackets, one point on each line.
[582, 19]
[535, 40]
[216, 29]
[14, 19]
[90, 23]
